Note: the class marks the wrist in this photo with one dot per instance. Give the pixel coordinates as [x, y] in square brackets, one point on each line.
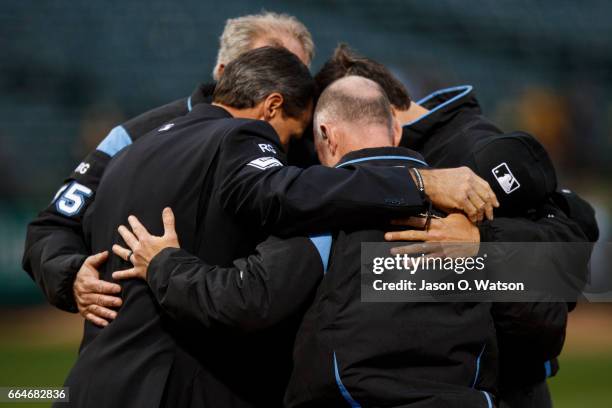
[428, 183]
[418, 180]
[158, 263]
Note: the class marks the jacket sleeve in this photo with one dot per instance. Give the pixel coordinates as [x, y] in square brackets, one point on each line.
[55, 246]
[255, 293]
[549, 224]
[531, 334]
[257, 186]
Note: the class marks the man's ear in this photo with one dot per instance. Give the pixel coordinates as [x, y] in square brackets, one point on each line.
[397, 130]
[220, 69]
[330, 137]
[273, 105]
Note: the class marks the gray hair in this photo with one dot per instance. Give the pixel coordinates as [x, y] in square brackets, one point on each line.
[240, 33]
[354, 100]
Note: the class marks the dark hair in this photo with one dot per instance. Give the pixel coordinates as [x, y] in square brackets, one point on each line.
[254, 75]
[345, 62]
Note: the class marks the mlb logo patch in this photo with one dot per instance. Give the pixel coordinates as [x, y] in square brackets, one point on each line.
[505, 178]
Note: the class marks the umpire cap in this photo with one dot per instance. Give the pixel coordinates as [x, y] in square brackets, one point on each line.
[518, 169]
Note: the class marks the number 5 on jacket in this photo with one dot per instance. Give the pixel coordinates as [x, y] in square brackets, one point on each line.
[71, 199]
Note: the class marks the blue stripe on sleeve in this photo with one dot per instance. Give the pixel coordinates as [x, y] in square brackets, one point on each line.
[345, 393]
[478, 366]
[323, 244]
[117, 139]
[548, 368]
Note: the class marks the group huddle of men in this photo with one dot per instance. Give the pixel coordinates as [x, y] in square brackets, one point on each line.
[249, 296]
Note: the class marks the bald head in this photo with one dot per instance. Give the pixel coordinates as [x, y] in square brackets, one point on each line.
[355, 101]
[357, 112]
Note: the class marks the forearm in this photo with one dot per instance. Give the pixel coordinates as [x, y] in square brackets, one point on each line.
[52, 258]
[255, 293]
[289, 200]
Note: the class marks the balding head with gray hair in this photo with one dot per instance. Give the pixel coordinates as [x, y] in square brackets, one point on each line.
[356, 101]
[352, 113]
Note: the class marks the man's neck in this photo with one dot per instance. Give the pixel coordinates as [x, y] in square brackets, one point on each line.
[248, 113]
[414, 112]
[364, 146]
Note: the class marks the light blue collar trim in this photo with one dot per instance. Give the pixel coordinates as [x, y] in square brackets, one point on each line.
[383, 158]
[465, 88]
[189, 107]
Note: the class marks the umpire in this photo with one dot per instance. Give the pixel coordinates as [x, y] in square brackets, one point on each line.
[448, 129]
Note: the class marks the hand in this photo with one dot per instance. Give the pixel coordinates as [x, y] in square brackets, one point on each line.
[460, 189]
[143, 245]
[94, 296]
[452, 236]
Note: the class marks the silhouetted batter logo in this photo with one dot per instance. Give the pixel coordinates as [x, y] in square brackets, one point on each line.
[505, 178]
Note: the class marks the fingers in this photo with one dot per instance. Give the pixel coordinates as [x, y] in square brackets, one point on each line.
[97, 259]
[487, 195]
[493, 197]
[91, 299]
[139, 230]
[481, 197]
[93, 285]
[101, 312]
[98, 321]
[416, 249]
[479, 204]
[416, 222]
[410, 235]
[122, 252]
[168, 220]
[470, 210]
[128, 237]
[127, 274]
[489, 211]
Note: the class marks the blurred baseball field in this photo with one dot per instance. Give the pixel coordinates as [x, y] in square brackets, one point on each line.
[38, 345]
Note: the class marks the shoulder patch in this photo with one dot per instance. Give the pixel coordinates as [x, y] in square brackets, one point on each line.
[263, 163]
[117, 139]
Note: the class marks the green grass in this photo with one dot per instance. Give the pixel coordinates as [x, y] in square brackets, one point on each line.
[38, 366]
[581, 382]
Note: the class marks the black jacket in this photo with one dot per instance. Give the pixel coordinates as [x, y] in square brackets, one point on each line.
[396, 354]
[55, 247]
[451, 135]
[346, 351]
[226, 180]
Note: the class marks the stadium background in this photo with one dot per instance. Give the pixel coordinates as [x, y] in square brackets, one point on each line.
[70, 71]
